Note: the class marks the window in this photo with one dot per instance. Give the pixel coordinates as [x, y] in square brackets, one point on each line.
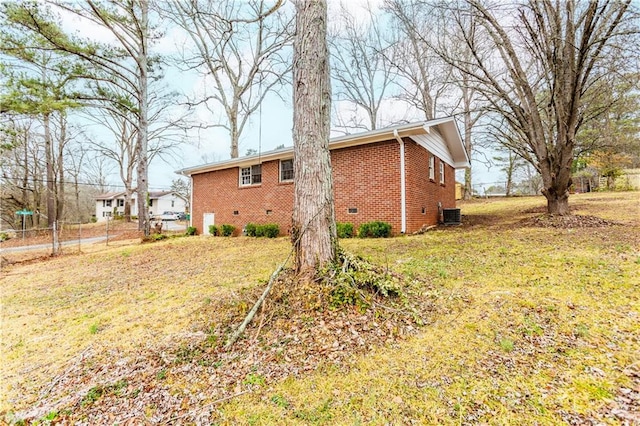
[432, 167]
[251, 175]
[441, 172]
[353, 210]
[120, 203]
[286, 170]
[150, 202]
[173, 203]
[107, 203]
[106, 214]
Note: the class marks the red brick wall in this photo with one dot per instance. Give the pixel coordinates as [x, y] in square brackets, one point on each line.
[365, 177]
[422, 192]
[219, 192]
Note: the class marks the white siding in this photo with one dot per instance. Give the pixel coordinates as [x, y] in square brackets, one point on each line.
[435, 143]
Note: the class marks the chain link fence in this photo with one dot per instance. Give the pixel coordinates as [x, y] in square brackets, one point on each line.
[73, 237]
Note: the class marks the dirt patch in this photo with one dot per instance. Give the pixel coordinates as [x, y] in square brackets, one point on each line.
[567, 221]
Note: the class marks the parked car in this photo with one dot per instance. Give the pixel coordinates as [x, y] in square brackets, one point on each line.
[168, 216]
[182, 216]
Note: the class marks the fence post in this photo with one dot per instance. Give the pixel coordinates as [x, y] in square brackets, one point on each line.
[55, 237]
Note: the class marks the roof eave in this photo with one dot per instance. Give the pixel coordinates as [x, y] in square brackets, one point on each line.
[446, 124]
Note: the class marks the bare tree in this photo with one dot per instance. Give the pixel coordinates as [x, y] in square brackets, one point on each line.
[428, 82]
[121, 150]
[23, 171]
[547, 58]
[360, 71]
[314, 228]
[240, 51]
[425, 80]
[126, 63]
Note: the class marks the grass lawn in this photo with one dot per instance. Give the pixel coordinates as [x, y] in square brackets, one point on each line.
[537, 325]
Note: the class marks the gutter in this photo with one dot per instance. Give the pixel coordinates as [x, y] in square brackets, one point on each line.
[403, 186]
[191, 202]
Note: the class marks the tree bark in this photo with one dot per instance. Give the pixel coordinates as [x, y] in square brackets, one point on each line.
[60, 167]
[48, 147]
[314, 229]
[142, 143]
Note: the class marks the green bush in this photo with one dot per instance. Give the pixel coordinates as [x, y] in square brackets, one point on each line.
[270, 230]
[213, 230]
[376, 229]
[191, 230]
[250, 230]
[4, 236]
[227, 230]
[345, 230]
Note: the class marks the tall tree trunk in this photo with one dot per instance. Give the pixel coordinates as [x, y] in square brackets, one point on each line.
[314, 228]
[142, 143]
[468, 126]
[60, 167]
[51, 185]
[235, 136]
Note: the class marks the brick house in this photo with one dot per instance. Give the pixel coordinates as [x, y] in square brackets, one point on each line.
[400, 175]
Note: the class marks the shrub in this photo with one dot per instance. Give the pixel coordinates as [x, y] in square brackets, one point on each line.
[213, 230]
[376, 229]
[227, 230]
[344, 230]
[270, 230]
[250, 230]
[191, 230]
[4, 236]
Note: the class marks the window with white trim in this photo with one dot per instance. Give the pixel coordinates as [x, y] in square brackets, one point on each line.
[432, 167]
[251, 175]
[120, 202]
[286, 170]
[442, 172]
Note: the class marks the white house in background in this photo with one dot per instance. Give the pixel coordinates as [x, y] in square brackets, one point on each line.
[159, 201]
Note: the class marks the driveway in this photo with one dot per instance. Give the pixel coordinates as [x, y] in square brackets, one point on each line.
[91, 240]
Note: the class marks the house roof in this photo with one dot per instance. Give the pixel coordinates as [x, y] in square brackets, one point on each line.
[152, 195]
[445, 126]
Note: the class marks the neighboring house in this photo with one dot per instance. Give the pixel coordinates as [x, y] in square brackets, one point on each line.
[159, 201]
[400, 175]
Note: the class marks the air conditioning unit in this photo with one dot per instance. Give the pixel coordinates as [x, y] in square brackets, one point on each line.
[451, 216]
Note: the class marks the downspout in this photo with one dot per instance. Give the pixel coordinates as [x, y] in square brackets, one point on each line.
[403, 186]
[191, 202]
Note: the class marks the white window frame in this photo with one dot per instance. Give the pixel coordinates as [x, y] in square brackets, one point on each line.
[282, 170]
[247, 175]
[442, 172]
[432, 167]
